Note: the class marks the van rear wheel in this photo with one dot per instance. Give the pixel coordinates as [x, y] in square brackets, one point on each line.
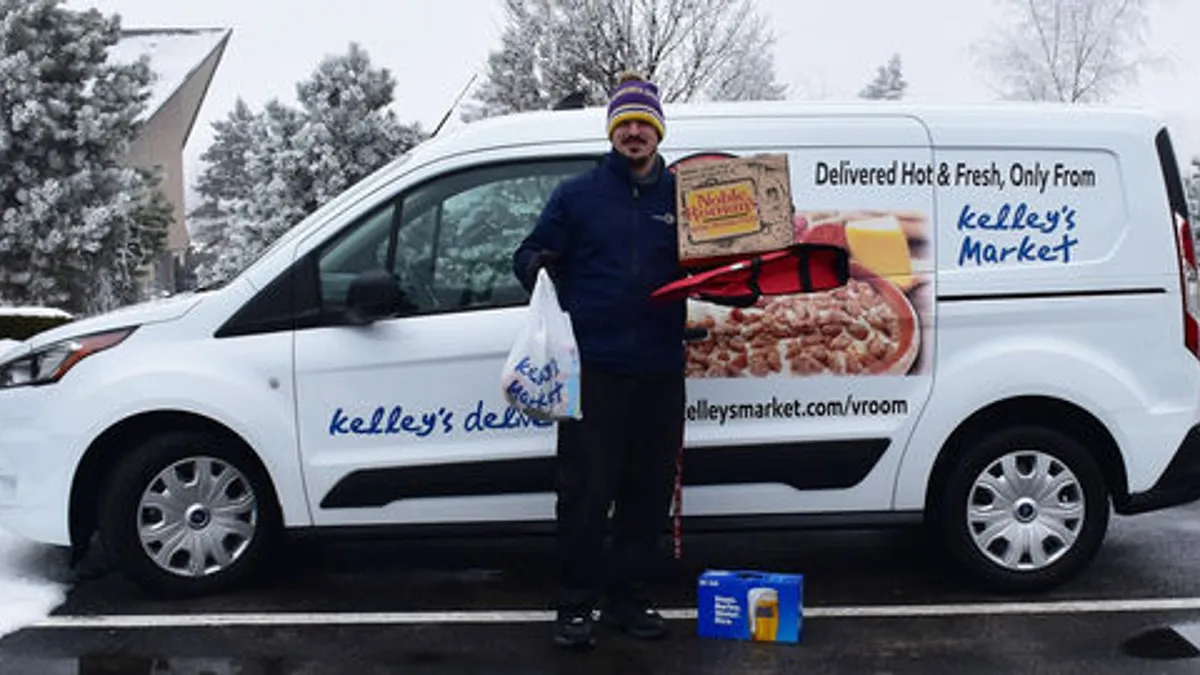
[1024, 509]
[186, 515]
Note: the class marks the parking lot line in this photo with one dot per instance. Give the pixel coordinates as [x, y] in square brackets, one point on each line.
[534, 616]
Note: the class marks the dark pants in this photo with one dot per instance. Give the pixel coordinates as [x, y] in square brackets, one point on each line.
[622, 453]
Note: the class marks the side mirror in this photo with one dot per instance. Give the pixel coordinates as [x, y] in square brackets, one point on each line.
[372, 296]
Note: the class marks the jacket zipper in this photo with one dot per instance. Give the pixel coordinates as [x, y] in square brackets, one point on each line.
[633, 239]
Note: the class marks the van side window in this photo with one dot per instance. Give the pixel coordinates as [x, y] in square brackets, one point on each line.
[449, 241]
[359, 249]
[474, 220]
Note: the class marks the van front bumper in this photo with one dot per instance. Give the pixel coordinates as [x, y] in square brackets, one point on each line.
[1179, 483]
[35, 474]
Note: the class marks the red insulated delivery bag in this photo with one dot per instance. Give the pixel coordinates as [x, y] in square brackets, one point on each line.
[800, 268]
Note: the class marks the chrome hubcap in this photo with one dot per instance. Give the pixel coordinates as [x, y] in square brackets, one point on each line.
[197, 517]
[1025, 510]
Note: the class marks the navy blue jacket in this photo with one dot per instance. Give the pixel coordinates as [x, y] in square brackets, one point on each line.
[616, 242]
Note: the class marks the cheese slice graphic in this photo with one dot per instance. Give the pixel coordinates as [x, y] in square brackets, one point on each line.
[880, 245]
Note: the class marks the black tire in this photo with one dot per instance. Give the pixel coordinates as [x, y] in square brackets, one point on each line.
[120, 514]
[956, 532]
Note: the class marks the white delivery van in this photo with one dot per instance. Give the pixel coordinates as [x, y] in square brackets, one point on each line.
[1015, 356]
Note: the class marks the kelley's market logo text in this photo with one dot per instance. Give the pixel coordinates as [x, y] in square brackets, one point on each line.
[399, 420]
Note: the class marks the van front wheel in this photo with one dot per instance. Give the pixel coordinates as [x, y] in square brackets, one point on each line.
[1024, 509]
[187, 515]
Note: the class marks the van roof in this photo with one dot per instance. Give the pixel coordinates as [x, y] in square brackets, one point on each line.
[587, 124]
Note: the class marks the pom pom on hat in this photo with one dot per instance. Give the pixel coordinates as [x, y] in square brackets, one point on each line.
[635, 98]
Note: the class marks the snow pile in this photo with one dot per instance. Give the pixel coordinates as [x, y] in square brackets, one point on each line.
[29, 589]
[49, 312]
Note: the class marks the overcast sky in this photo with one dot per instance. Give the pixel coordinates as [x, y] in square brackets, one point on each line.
[826, 49]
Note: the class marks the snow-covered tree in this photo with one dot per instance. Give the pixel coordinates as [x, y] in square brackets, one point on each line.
[1072, 51]
[349, 127]
[477, 223]
[692, 49]
[280, 182]
[266, 171]
[224, 177]
[76, 223]
[889, 83]
[266, 196]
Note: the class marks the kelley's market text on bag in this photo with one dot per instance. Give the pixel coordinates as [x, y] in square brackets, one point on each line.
[541, 376]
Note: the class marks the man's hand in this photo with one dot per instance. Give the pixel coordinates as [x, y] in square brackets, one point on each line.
[547, 260]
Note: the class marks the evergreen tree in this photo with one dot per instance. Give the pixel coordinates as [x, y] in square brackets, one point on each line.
[267, 197]
[889, 83]
[76, 224]
[224, 178]
[349, 127]
[266, 171]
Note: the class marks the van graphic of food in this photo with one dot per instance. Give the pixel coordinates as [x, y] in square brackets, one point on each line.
[880, 245]
[874, 325]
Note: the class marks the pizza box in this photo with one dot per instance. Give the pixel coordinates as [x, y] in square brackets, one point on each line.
[733, 207]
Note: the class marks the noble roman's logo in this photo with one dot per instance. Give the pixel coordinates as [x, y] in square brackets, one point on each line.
[722, 210]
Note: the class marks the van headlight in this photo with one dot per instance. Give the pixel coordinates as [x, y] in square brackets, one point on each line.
[48, 364]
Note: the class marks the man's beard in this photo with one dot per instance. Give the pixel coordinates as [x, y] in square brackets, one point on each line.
[642, 162]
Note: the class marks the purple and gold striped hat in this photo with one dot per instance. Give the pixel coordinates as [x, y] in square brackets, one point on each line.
[635, 98]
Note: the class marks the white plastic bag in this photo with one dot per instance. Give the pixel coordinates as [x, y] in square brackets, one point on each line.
[541, 376]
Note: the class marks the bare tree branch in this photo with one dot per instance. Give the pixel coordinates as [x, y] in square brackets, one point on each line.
[1075, 51]
[693, 49]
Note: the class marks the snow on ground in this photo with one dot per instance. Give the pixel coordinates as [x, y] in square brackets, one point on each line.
[32, 581]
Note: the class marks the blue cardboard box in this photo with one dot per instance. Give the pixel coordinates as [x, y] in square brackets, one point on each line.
[748, 605]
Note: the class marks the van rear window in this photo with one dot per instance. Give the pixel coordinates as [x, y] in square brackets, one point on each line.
[1170, 169]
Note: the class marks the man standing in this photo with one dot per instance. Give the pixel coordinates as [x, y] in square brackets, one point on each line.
[608, 239]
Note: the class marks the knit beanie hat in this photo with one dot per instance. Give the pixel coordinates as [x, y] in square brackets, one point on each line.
[635, 98]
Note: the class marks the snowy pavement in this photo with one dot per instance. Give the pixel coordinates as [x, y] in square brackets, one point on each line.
[32, 582]
[875, 602]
